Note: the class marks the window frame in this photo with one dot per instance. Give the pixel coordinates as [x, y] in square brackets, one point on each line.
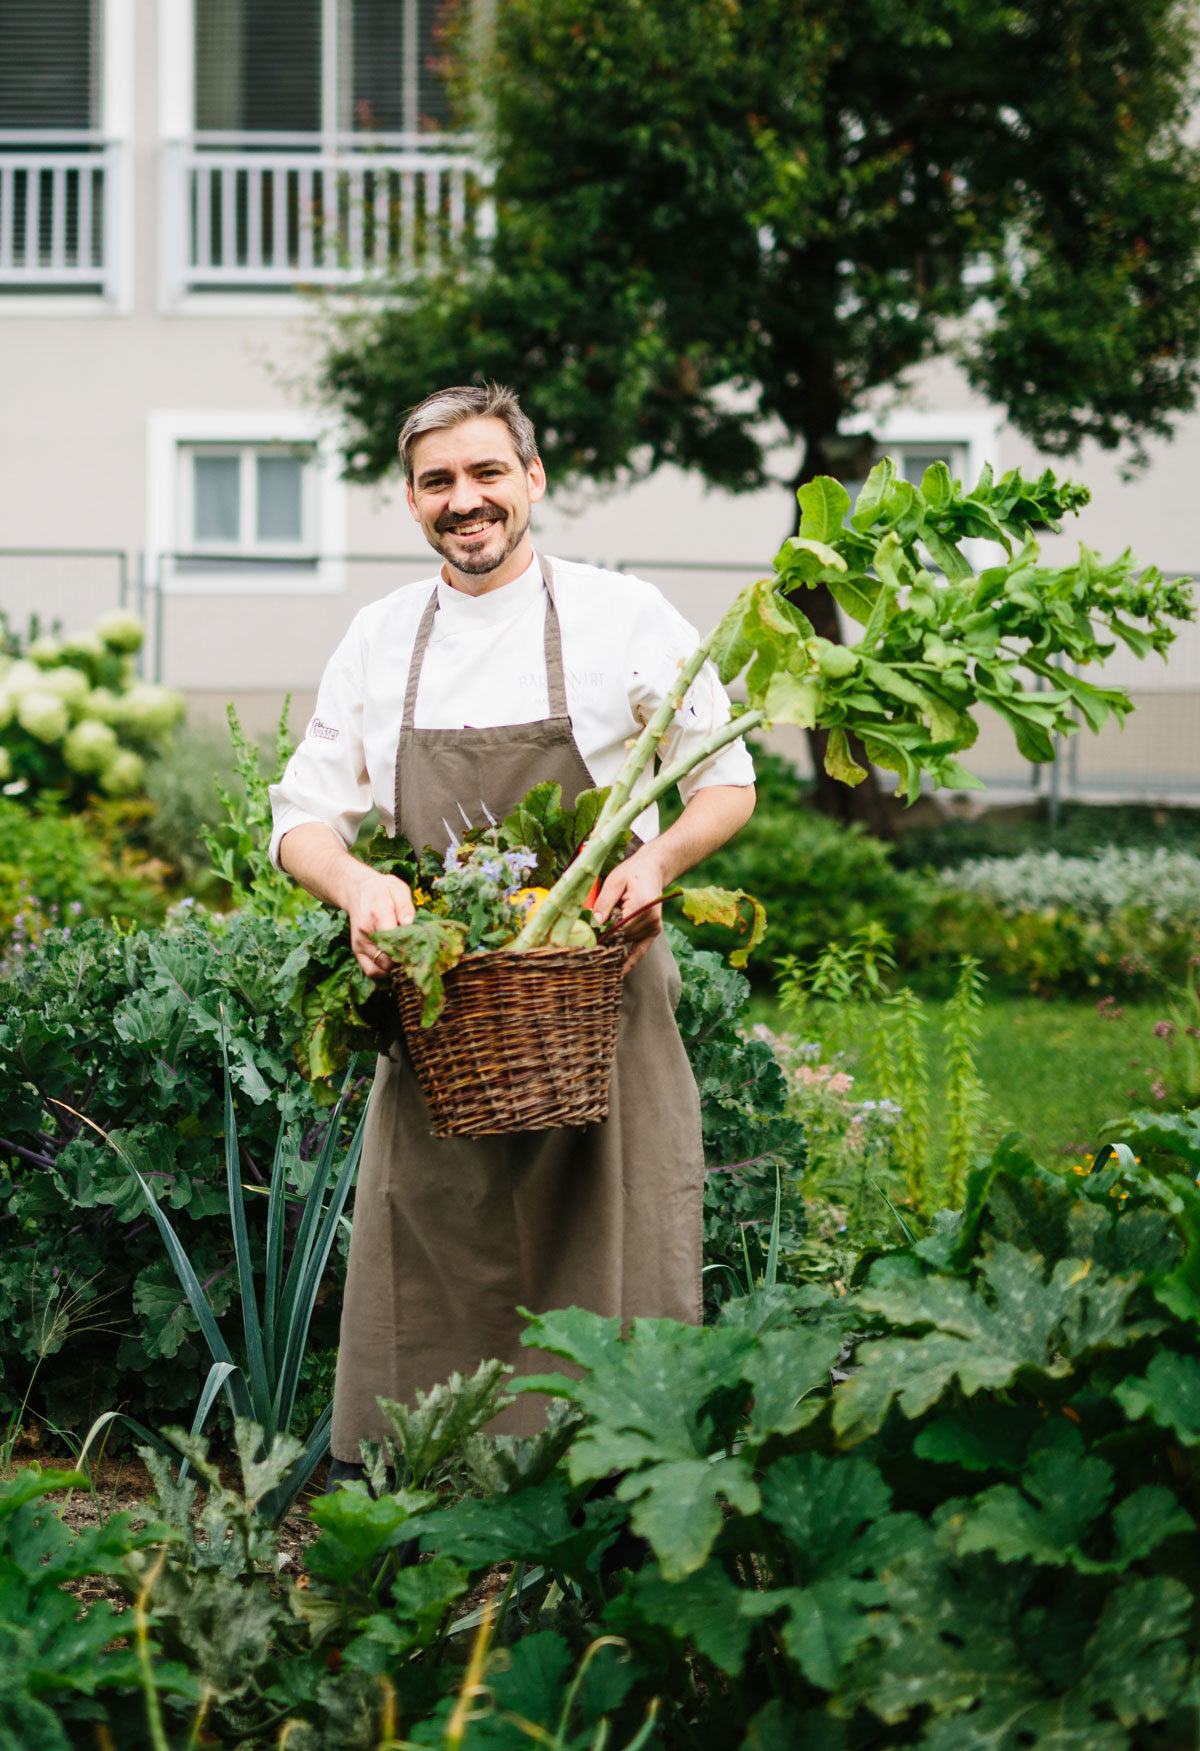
[248, 545]
[315, 566]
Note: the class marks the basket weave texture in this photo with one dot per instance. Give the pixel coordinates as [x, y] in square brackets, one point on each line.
[524, 1043]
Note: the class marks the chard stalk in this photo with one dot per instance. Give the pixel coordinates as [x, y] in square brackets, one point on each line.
[563, 904]
[646, 745]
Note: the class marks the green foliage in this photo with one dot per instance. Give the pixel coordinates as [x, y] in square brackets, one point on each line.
[1081, 827]
[240, 846]
[952, 1506]
[964, 1091]
[125, 1029]
[56, 867]
[56, 1664]
[869, 167]
[751, 1143]
[817, 881]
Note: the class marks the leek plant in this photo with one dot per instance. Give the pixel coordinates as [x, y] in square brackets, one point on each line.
[276, 1315]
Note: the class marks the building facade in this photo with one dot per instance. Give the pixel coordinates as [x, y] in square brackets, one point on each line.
[181, 183]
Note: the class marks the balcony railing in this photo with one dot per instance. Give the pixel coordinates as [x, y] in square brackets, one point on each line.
[269, 213]
[57, 212]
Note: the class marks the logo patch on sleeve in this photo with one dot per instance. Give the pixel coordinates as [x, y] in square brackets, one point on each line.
[325, 732]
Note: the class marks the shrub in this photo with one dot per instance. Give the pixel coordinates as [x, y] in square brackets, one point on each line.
[1162, 885]
[1081, 827]
[56, 868]
[74, 717]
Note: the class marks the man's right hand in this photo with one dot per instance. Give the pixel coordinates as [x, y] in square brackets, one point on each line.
[315, 855]
[380, 903]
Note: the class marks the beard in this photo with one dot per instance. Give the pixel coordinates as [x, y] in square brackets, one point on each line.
[474, 565]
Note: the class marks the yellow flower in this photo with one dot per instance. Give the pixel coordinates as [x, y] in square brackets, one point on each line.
[1077, 1169]
[420, 897]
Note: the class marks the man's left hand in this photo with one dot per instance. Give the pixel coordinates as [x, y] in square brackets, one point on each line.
[634, 884]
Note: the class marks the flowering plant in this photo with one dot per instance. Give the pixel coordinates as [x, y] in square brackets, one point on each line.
[74, 717]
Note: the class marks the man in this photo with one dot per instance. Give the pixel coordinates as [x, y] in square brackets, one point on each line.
[448, 697]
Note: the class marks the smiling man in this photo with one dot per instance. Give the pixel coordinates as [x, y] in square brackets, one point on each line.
[448, 698]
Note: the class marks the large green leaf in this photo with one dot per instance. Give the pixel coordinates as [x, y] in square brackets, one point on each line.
[982, 1340]
[537, 1525]
[824, 506]
[1169, 1392]
[425, 949]
[1070, 1490]
[705, 1608]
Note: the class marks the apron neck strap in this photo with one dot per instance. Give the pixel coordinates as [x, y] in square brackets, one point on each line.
[556, 685]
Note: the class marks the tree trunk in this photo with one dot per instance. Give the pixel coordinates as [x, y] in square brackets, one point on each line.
[866, 803]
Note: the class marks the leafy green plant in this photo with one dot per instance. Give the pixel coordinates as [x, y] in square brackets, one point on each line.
[262, 1389]
[125, 1028]
[931, 649]
[954, 1503]
[240, 846]
[58, 1665]
[964, 1091]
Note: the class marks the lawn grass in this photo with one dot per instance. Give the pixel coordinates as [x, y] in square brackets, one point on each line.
[1055, 1072]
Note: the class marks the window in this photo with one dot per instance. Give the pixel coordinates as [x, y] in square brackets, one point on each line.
[246, 501]
[913, 459]
[50, 64]
[358, 67]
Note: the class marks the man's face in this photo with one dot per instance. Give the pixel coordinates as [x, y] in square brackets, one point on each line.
[471, 495]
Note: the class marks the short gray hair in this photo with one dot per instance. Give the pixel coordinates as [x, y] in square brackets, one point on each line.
[468, 401]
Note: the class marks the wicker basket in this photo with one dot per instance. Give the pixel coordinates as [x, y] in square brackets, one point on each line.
[525, 1042]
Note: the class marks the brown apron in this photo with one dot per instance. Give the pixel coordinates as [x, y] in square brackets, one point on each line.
[452, 1234]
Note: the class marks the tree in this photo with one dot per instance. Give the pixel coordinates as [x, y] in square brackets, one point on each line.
[724, 223]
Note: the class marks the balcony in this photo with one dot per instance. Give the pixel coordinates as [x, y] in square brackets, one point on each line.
[280, 212]
[58, 205]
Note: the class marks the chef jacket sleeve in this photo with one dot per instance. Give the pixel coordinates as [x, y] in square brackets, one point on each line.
[663, 640]
[326, 779]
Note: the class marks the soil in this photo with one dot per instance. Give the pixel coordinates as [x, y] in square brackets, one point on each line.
[122, 1485]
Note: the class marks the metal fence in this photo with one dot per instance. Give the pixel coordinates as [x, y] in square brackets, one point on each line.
[256, 645]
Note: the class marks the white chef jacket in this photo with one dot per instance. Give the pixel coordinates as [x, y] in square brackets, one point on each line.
[484, 666]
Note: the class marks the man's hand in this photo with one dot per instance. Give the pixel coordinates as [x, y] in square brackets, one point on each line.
[381, 903]
[634, 884]
[711, 817]
[315, 855]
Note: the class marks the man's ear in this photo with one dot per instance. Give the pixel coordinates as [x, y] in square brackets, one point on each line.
[537, 480]
[412, 503]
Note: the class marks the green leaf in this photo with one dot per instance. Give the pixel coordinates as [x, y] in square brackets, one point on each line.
[1138, 1657]
[792, 699]
[981, 1340]
[788, 1373]
[536, 1525]
[723, 906]
[839, 762]
[357, 1529]
[677, 1505]
[1168, 1392]
[873, 493]
[824, 505]
[704, 1608]
[1070, 1490]
[425, 949]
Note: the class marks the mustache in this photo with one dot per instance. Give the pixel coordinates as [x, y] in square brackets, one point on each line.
[451, 520]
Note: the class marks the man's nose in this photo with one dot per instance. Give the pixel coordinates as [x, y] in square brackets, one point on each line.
[464, 495]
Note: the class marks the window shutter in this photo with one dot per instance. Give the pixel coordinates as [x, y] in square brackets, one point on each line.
[395, 84]
[50, 63]
[258, 66]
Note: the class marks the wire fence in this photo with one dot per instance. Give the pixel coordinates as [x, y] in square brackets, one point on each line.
[257, 634]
